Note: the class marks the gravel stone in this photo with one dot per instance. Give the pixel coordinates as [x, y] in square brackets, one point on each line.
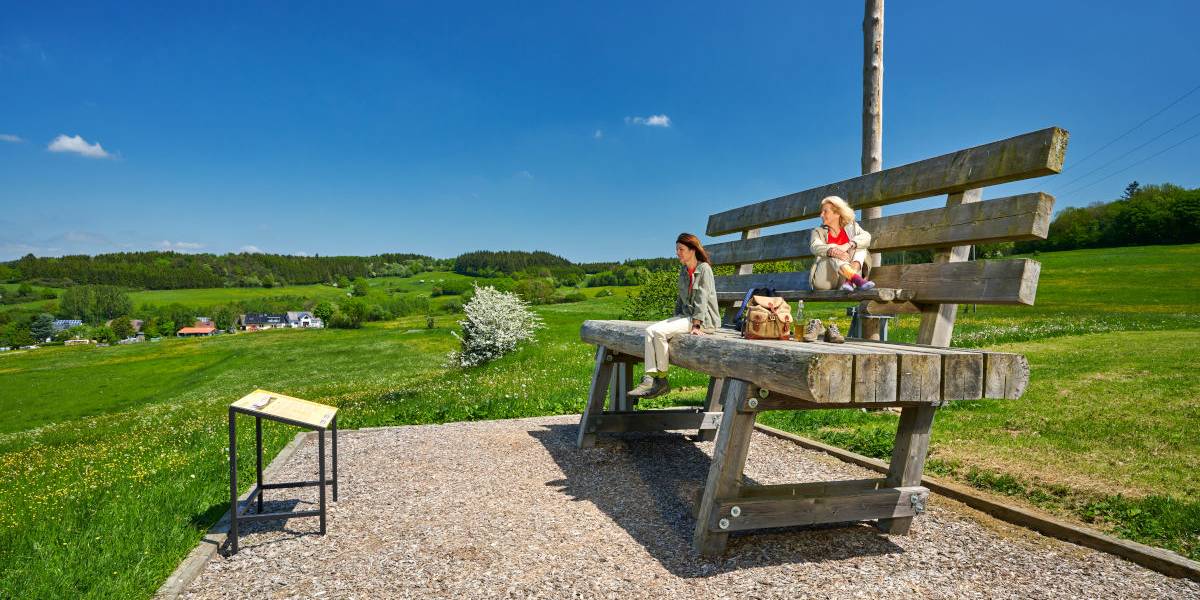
[512, 509]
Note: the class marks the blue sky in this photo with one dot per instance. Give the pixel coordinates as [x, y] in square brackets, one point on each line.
[595, 131]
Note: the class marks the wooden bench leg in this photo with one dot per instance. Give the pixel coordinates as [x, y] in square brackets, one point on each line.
[712, 403]
[908, 458]
[622, 382]
[725, 472]
[597, 393]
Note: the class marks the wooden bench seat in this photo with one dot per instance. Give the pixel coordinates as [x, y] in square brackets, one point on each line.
[820, 373]
[752, 376]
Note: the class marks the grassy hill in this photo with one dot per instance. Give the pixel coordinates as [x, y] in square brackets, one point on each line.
[96, 442]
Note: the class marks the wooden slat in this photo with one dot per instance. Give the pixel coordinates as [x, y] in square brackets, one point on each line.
[918, 374]
[655, 420]
[962, 369]
[1012, 281]
[1006, 375]
[1012, 218]
[757, 513]
[813, 488]
[804, 372]
[795, 286]
[1025, 156]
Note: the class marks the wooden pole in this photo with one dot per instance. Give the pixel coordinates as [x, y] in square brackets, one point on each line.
[872, 120]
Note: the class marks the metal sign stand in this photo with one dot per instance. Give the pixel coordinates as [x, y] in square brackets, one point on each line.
[262, 404]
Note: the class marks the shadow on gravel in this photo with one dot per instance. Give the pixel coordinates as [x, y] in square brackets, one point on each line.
[647, 484]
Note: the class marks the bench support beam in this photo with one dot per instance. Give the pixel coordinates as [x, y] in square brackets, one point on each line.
[725, 471]
[597, 393]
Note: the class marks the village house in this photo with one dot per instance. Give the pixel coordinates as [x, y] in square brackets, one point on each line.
[64, 324]
[260, 321]
[199, 329]
[302, 318]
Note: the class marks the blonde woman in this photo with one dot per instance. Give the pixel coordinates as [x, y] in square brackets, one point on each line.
[839, 248]
[695, 314]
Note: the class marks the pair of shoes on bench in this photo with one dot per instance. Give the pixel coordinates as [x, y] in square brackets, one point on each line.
[814, 331]
[651, 387]
[866, 285]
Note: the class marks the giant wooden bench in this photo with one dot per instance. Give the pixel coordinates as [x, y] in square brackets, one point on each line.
[752, 376]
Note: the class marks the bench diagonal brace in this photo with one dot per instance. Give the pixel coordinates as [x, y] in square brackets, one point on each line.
[597, 394]
[725, 471]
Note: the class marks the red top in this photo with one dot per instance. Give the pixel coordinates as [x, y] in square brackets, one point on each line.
[840, 238]
[691, 276]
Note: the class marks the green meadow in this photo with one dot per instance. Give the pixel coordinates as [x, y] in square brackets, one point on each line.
[96, 443]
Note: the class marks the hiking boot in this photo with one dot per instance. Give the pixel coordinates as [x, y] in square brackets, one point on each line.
[832, 334]
[643, 388]
[813, 330]
[867, 285]
[847, 287]
[659, 387]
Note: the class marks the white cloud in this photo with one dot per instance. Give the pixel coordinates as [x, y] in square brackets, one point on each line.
[523, 175]
[8, 137]
[300, 253]
[77, 145]
[599, 134]
[651, 121]
[251, 249]
[179, 246]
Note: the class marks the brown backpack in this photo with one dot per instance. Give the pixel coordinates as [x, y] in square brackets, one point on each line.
[767, 318]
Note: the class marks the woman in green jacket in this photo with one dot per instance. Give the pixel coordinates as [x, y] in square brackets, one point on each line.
[695, 313]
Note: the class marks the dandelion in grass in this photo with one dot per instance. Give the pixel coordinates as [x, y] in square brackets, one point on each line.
[496, 323]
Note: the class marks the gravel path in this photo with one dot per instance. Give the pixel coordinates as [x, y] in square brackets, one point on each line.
[502, 509]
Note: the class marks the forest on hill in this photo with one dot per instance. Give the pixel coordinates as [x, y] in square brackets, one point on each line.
[173, 270]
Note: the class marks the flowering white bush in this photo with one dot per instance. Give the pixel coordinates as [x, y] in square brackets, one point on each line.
[496, 322]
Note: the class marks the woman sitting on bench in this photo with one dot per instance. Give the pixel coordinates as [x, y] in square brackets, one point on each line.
[695, 313]
[839, 247]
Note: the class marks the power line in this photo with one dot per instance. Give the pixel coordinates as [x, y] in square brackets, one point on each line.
[1171, 147]
[1135, 127]
[1119, 157]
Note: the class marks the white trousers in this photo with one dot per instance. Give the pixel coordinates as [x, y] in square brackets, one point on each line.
[826, 271]
[657, 336]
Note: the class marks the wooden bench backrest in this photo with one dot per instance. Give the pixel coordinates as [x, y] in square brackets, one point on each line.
[966, 220]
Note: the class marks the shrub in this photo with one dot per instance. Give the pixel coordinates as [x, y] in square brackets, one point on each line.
[535, 291]
[604, 293]
[496, 322]
[575, 297]
[656, 300]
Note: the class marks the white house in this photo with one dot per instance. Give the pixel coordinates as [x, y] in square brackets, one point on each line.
[302, 318]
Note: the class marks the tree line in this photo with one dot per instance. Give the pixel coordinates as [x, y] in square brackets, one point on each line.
[172, 270]
[1145, 215]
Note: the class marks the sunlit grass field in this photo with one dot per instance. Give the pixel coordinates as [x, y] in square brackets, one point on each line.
[96, 443]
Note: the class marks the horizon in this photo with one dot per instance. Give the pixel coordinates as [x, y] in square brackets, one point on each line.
[586, 132]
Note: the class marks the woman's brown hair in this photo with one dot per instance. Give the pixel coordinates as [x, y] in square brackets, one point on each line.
[693, 242]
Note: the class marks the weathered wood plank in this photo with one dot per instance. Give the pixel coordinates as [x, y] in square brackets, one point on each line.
[1011, 281]
[1005, 375]
[962, 370]
[757, 513]
[795, 286]
[1013, 218]
[725, 470]
[813, 488]
[789, 367]
[601, 377]
[1025, 156]
[655, 420]
[918, 374]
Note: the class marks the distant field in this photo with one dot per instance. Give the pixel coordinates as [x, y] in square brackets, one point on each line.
[1105, 434]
